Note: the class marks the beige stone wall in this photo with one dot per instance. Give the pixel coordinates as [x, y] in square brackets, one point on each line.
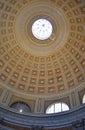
[40, 104]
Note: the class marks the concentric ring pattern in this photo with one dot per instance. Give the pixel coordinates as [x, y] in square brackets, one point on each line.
[32, 68]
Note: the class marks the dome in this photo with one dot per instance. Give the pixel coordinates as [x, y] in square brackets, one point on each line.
[42, 63]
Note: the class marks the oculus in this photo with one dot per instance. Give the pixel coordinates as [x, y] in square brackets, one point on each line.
[42, 29]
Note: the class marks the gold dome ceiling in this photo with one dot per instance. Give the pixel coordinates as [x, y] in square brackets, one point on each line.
[32, 66]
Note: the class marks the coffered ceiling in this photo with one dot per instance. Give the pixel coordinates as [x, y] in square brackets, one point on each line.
[42, 67]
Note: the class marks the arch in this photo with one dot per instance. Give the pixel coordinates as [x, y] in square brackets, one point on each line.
[57, 107]
[20, 107]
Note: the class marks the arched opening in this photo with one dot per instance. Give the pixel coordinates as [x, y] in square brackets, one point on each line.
[83, 100]
[57, 107]
[21, 107]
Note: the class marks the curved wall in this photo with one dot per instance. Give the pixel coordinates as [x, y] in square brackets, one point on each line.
[28, 120]
[39, 104]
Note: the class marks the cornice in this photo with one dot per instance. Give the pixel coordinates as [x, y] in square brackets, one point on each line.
[58, 120]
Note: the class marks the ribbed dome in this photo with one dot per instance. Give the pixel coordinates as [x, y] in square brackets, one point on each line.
[42, 67]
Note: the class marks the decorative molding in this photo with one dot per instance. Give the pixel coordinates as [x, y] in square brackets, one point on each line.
[36, 128]
[57, 120]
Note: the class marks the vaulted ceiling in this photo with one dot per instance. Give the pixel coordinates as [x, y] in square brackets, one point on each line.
[42, 67]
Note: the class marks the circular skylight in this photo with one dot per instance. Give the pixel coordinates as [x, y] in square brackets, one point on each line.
[42, 29]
